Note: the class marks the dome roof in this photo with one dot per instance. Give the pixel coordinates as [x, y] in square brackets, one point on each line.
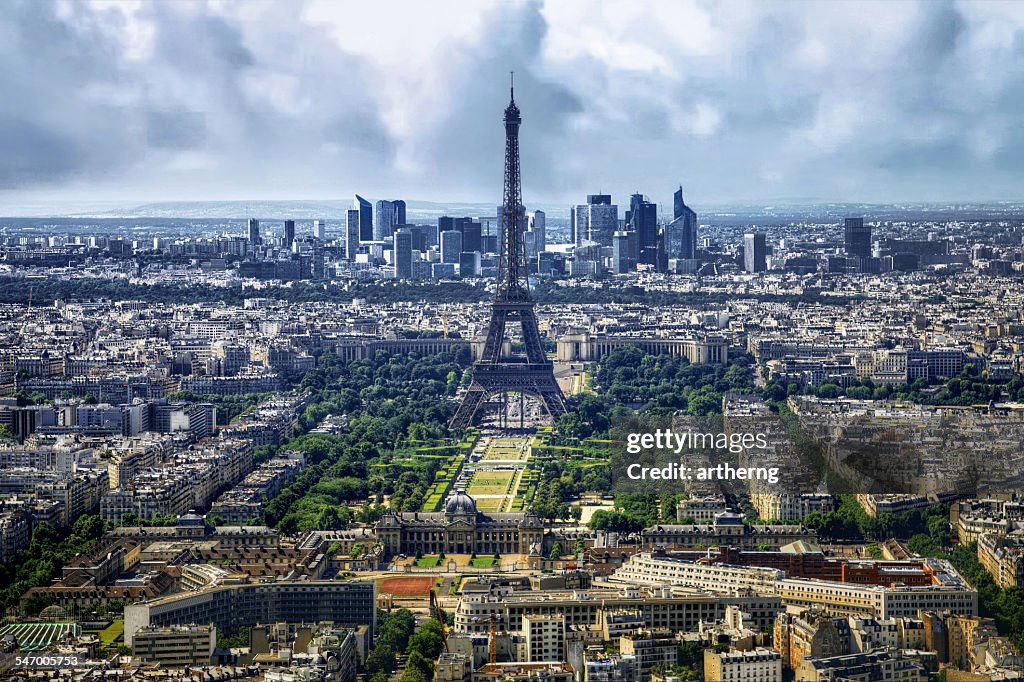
[460, 503]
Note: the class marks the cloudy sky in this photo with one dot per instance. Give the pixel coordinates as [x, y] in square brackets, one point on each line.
[145, 101]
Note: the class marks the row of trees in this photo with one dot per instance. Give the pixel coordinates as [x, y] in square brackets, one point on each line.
[552, 292]
[665, 384]
[12, 290]
[971, 387]
[396, 635]
[850, 521]
[635, 511]
[389, 399]
[653, 385]
[563, 481]
[41, 562]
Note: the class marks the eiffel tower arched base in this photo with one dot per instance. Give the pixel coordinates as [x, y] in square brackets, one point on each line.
[535, 379]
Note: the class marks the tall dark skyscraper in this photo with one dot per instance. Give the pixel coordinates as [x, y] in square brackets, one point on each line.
[352, 217]
[681, 233]
[623, 248]
[471, 237]
[390, 215]
[289, 233]
[365, 209]
[255, 237]
[755, 252]
[536, 235]
[678, 205]
[451, 246]
[595, 221]
[857, 238]
[398, 208]
[493, 374]
[402, 255]
[384, 221]
[643, 219]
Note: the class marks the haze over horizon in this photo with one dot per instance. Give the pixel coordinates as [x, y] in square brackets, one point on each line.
[123, 104]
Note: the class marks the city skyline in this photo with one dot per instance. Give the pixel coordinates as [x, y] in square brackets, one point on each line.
[907, 103]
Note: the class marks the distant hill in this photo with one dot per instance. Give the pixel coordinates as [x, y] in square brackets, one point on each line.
[558, 214]
[299, 210]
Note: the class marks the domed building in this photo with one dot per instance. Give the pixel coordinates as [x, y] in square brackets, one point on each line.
[460, 529]
[459, 504]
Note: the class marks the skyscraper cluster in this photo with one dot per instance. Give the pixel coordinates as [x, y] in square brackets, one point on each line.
[287, 257]
[379, 234]
[603, 242]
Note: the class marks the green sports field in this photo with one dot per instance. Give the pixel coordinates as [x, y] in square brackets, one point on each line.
[490, 483]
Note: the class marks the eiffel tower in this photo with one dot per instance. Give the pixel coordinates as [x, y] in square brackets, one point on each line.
[493, 374]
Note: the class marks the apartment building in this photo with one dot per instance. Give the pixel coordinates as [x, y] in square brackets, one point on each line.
[876, 666]
[754, 665]
[1003, 557]
[15, 533]
[809, 634]
[843, 599]
[175, 646]
[543, 638]
[790, 507]
[972, 518]
[650, 648]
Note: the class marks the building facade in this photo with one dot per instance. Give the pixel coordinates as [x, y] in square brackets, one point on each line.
[461, 529]
[755, 665]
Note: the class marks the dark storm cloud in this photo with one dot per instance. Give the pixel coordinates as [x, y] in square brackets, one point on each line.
[937, 37]
[469, 137]
[49, 128]
[30, 153]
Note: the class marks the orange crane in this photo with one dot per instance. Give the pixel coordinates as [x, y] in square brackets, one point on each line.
[440, 619]
[492, 641]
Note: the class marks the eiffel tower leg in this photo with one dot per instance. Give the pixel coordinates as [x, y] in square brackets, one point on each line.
[469, 406]
[531, 336]
[553, 401]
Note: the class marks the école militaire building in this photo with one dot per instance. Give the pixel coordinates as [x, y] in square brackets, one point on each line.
[461, 529]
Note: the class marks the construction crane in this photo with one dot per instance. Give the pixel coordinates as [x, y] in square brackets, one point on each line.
[444, 323]
[492, 641]
[440, 619]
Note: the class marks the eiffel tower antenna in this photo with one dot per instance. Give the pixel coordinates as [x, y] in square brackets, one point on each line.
[493, 374]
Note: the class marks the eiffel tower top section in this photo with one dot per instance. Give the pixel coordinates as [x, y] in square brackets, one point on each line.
[512, 284]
